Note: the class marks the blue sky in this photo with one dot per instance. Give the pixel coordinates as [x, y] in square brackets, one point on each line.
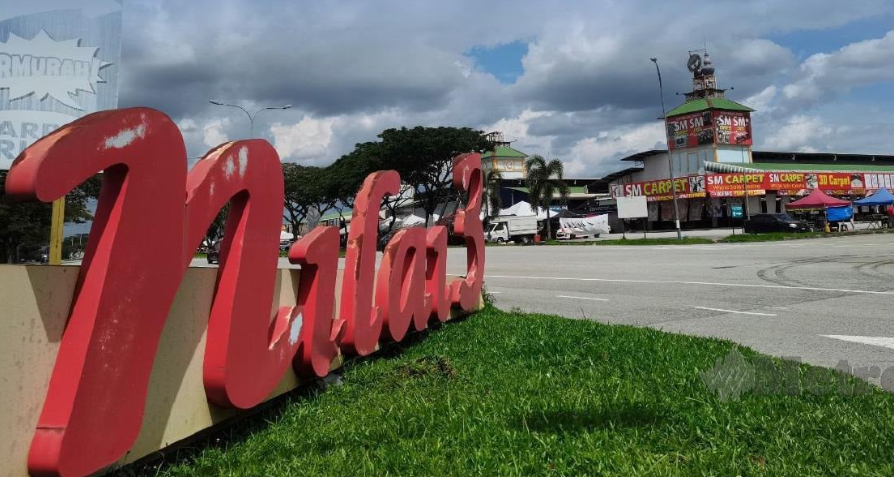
[566, 78]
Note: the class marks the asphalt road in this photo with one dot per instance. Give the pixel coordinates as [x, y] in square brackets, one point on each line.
[819, 300]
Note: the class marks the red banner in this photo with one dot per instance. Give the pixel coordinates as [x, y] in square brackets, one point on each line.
[785, 183]
[686, 187]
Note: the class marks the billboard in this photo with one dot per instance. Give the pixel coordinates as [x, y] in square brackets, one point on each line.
[690, 130]
[632, 207]
[709, 128]
[732, 128]
[688, 187]
[58, 62]
[787, 183]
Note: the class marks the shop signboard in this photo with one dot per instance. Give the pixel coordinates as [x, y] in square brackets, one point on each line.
[878, 181]
[688, 187]
[732, 128]
[785, 183]
[690, 130]
[58, 62]
[710, 127]
[634, 207]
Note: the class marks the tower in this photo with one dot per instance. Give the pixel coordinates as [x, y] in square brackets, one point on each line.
[707, 126]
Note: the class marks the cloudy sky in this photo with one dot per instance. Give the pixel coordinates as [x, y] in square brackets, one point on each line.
[567, 79]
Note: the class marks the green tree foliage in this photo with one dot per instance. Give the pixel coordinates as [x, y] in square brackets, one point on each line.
[25, 227]
[308, 194]
[424, 158]
[545, 179]
[494, 203]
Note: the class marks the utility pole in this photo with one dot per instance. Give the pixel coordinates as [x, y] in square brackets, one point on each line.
[670, 163]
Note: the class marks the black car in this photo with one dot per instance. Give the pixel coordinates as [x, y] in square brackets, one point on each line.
[762, 223]
[213, 254]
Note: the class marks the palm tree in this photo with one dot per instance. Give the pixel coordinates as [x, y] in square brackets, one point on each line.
[492, 193]
[545, 180]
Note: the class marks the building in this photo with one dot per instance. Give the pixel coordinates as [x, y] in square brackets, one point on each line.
[713, 165]
[510, 162]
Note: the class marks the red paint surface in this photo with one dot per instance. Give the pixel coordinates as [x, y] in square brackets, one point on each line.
[150, 218]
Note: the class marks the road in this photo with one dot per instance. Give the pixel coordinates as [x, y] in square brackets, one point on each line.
[820, 300]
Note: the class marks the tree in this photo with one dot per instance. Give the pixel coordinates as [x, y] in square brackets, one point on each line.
[307, 194]
[545, 179]
[492, 192]
[424, 158]
[217, 228]
[25, 227]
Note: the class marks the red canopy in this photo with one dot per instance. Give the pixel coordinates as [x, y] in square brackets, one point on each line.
[817, 200]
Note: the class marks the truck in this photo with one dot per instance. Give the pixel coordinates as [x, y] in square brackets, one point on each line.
[510, 228]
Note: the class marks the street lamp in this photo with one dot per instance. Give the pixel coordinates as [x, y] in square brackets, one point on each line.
[251, 117]
[670, 164]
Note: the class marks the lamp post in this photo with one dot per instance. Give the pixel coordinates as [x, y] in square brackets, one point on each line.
[251, 116]
[670, 164]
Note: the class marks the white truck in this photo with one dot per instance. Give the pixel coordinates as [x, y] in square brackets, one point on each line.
[510, 228]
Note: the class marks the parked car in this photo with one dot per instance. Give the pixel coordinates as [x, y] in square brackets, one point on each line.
[213, 255]
[763, 223]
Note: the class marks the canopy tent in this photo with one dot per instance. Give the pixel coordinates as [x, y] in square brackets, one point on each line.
[817, 200]
[524, 209]
[881, 197]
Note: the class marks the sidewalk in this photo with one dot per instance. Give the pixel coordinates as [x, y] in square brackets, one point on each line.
[717, 233]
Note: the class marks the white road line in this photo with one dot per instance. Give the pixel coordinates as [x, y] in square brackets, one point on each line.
[581, 298]
[882, 341]
[494, 293]
[667, 282]
[733, 311]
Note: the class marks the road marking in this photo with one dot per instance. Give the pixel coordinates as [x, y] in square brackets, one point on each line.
[666, 282]
[882, 341]
[581, 298]
[494, 293]
[733, 311]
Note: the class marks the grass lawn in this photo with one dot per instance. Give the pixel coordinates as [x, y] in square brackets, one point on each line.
[503, 393]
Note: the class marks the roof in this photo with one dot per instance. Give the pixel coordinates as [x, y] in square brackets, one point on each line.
[639, 156]
[504, 151]
[795, 167]
[706, 104]
[571, 189]
[816, 200]
[334, 215]
[619, 174]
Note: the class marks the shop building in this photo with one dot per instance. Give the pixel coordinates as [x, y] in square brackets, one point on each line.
[715, 169]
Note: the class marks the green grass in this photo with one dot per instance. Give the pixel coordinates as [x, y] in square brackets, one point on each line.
[510, 394]
[637, 241]
[772, 237]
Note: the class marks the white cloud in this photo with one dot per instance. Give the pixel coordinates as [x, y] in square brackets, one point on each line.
[213, 132]
[309, 138]
[823, 76]
[800, 133]
[601, 152]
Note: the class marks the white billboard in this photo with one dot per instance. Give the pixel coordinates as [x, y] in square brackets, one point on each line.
[58, 62]
[633, 207]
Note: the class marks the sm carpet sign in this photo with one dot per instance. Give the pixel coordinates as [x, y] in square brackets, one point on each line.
[151, 216]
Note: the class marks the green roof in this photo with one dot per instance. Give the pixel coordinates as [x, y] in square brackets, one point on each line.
[334, 215]
[706, 104]
[796, 167]
[504, 152]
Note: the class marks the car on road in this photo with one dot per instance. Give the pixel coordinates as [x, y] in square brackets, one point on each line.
[764, 223]
[213, 254]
